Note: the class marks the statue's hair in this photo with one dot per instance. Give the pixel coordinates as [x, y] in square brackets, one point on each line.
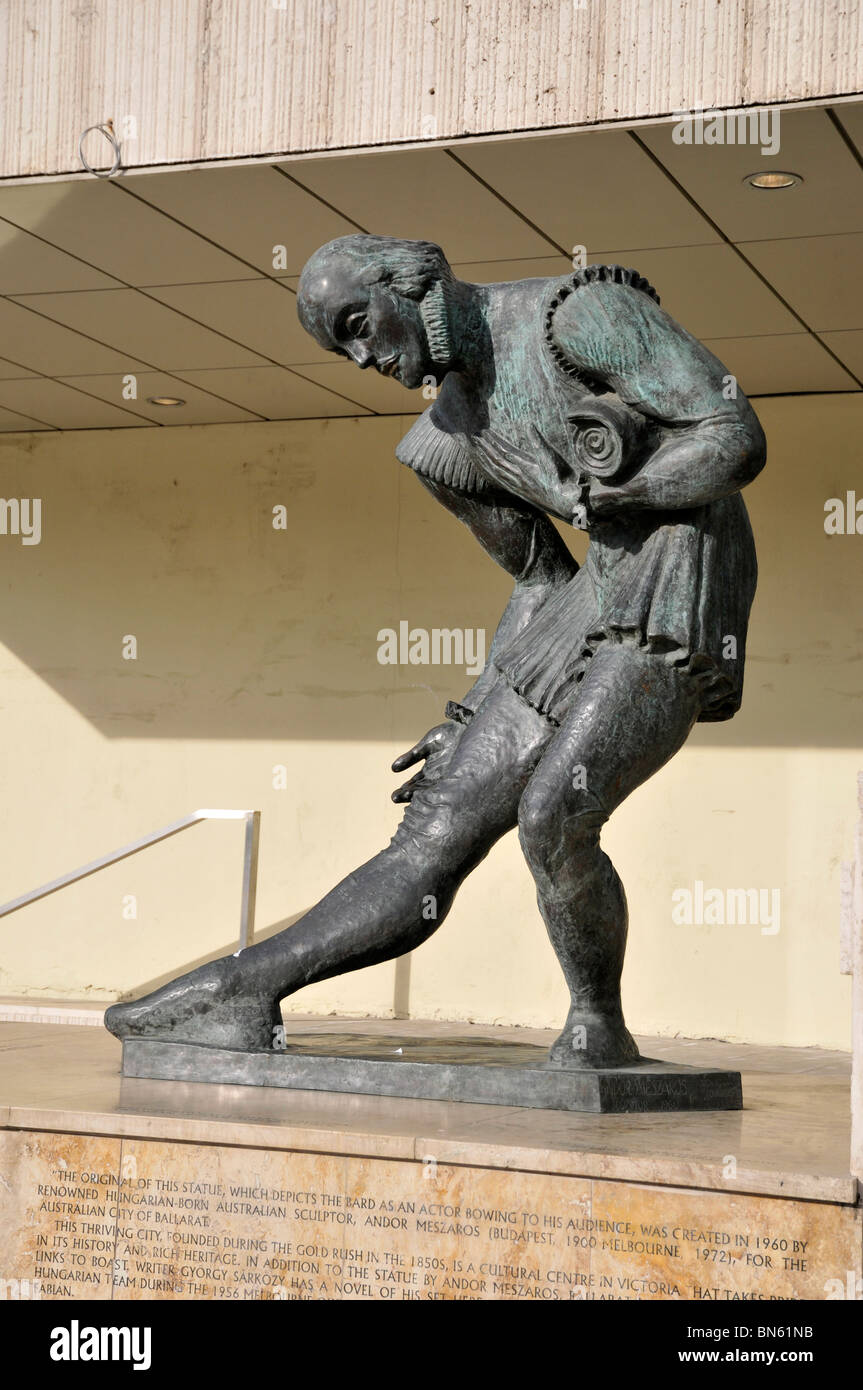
[410, 267]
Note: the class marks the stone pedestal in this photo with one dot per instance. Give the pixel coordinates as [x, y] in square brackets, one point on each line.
[485, 1071]
[131, 1189]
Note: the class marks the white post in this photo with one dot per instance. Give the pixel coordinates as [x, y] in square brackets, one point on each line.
[851, 963]
[250, 865]
[250, 878]
[857, 995]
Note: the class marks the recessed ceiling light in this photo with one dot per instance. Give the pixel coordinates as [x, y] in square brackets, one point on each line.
[165, 400]
[773, 178]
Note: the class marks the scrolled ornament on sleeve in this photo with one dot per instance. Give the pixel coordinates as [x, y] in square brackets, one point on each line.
[608, 442]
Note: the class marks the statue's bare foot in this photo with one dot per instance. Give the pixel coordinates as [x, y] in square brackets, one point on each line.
[593, 1040]
[213, 1006]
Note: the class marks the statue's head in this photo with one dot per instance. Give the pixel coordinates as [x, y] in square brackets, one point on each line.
[382, 302]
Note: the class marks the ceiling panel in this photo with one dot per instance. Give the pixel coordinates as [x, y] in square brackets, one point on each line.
[11, 371]
[96, 220]
[592, 190]
[63, 407]
[216, 316]
[369, 388]
[136, 324]
[848, 346]
[532, 267]
[48, 347]
[819, 276]
[248, 210]
[11, 422]
[259, 313]
[850, 116]
[29, 265]
[274, 393]
[200, 406]
[830, 199]
[421, 194]
[781, 363]
[712, 292]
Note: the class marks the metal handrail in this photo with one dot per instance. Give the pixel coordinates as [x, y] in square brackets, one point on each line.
[250, 864]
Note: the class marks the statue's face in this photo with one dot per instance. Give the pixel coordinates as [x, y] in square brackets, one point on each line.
[371, 324]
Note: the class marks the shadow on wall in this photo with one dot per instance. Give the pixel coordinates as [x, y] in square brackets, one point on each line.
[226, 948]
[242, 629]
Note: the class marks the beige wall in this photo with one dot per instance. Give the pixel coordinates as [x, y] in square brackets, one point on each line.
[257, 647]
[217, 79]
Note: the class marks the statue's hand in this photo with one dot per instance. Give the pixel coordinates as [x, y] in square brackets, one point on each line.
[602, 500]
[516, 468]
[436, 747]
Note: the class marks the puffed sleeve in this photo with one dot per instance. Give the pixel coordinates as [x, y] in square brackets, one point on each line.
[617, 337]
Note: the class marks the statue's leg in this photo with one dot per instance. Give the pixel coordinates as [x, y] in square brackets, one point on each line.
[631, 714]
[387, 907]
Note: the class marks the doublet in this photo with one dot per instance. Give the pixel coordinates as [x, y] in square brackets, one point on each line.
[678, 582]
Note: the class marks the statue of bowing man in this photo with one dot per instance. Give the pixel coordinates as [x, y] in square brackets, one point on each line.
[577, 398]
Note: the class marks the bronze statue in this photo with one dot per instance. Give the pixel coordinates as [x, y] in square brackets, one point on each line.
[577, 398]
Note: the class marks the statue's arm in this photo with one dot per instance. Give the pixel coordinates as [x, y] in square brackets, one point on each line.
[523, 542]
[709, 446]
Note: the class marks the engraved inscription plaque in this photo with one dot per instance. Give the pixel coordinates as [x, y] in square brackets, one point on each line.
[131, 1219]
